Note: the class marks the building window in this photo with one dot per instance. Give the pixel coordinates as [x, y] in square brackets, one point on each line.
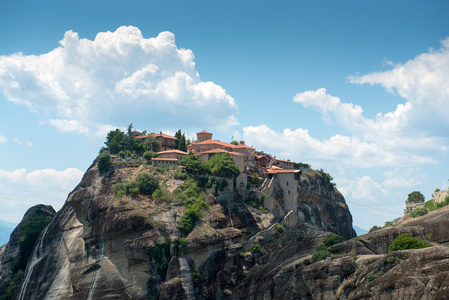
[289, 192]
[287, 183]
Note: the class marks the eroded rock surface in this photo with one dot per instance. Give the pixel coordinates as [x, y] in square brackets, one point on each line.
[11, 250]
[102, 246]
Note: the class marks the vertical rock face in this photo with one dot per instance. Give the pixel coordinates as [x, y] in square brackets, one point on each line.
[12, 248]
[323, 205]
[89, 251]
[103, 246]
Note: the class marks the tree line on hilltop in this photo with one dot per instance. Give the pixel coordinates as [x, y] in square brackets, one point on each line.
[117, 141]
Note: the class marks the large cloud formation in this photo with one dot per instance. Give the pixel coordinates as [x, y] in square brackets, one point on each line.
[117, 77]
[410, 135]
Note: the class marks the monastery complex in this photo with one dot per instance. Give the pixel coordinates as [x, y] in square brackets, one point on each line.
[274, 172]
[246, 157]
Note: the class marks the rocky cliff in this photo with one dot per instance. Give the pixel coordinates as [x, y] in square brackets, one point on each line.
[100, 245]
[362, 267]
[12, 251]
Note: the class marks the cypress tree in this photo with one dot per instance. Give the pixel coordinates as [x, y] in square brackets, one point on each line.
[178, 136]
[182, 143]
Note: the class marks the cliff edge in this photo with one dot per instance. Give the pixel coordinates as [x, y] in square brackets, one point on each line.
[106, 244]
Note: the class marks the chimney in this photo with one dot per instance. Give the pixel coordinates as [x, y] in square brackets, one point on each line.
[161, 133]
[242, 142]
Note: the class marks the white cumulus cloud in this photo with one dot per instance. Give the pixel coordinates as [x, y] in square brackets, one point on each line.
[20, 189]
[3, 139]
[424, 82]
[348, 151]
[363, 188]
[119, 76]
[412, 134]
[403, 178]
[391, 131]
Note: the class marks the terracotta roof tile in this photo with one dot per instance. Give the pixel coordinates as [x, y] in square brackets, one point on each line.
[217, 150]
[166, 159]
[213, 142]
[236, 153]
[163, 135]
[242, 146]
[274, 171]
[173, 151]
[287, 161]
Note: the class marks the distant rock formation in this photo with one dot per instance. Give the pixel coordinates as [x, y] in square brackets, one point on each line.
[12, 248]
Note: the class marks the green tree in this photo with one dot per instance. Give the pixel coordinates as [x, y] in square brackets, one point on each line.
[192, 163]
[147, 184]
[139, 146]
[321, 255]
[152, 144]
[255, 178]
[122, 154]
[327, 177]
[332, 240]
[415, 197]
[235, 143]
[178, 135]
[182, 143]
[405, 242]
[223, 165]
[103, 162]
[301, 165]
[418, 212]
[375, 227]
[128, 141]
[114, 141]
[148, 155]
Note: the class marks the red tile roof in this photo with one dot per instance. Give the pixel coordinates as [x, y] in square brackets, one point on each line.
[217, 150]
[274, 171]
[213, 142]
[163, 135]
[142, 136]
[236, 153]
[204, 131]
[173, 151]
[243, 146]
[287, 161]
[166, 159]
[262, 157]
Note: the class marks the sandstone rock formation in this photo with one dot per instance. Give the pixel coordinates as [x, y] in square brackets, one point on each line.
[362, 268]
[103, 246]
[11, 250]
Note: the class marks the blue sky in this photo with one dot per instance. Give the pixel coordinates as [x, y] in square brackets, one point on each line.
[358, 88]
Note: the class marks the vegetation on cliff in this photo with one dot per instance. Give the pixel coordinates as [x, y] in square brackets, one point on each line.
[30, 232]
[404, 241]
[104, 162]
[415, 197]
[220, 164]
[321, 251]
[191, 196]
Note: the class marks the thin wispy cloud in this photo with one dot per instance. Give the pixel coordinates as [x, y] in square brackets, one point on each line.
[23, 144]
